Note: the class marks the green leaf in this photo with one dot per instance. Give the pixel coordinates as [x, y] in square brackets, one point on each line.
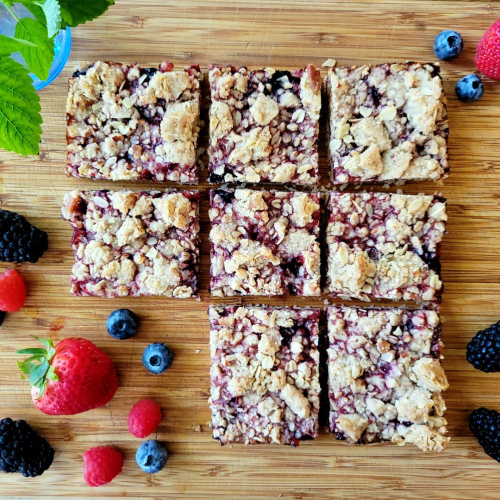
[52, 11]
[20, 117]
[75, 12]
[40, 385]
[26, 367]
[39, 372]
[39, 60]
[9, 45]
[51, 374]
[37, 11]
[32, 350]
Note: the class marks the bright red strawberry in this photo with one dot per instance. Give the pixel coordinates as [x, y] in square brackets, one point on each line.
[101, 465]
[488, 53]
[12, 291]
[144, 418]
[73, 377]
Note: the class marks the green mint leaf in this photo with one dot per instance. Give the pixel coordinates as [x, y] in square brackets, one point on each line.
[52, 11]
[39, 60]
[34, 9]
[20, 117]
[75, 12]
[39, 372]
[9, 45]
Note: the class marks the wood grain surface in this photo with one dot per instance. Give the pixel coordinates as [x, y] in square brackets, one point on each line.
[283, 34]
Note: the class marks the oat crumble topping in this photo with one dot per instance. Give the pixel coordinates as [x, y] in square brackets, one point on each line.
[264, 243]
[264, 374]
[132, 243]
[264, 125]
[385, 376]
[388, 123]
[385, 246]
[133, 123]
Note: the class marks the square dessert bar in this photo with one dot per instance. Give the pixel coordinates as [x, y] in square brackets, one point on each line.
[385, 376]
[264, 125]
[131, 243]
[264, 374]
[385, 246]
[133, 123]
[264, 243]
[387, 123]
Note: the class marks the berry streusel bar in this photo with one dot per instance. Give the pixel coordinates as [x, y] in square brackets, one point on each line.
[131, 243]
[385, 246]
[385, 376]
[127, 122]
[264, 374]
[264, 243]
[387, 123]
[264, 125]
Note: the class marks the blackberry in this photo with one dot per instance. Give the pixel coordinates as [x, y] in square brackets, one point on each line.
[483, 351]
[19, 240]
[22, 449]
[485, 425]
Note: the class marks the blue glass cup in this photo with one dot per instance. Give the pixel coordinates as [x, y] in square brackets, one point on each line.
[62, 43]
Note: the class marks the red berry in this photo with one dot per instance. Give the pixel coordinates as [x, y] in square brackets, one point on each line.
[144, 418]
[488, 53]
[12, 291]
[101, 465]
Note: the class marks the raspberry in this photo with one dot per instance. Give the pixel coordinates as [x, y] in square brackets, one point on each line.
[101, 465]
[12, 291]
[488, 52]
[144, 418]
[20, 241]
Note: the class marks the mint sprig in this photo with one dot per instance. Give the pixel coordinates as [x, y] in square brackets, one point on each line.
[37, 367]
[39, 58]
[20, 117]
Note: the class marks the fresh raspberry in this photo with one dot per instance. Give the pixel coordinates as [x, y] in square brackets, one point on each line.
[12, 291]
[144, 418]
[488, 53]
[101, 465]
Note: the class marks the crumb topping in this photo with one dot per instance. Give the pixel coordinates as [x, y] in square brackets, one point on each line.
[264, 243]
[131, 243]
[127, 122]
[264, 374]
[264, 125]
[385, 246]
[387, 123]
[385, 376]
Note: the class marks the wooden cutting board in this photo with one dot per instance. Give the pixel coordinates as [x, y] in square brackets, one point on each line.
[283, 34]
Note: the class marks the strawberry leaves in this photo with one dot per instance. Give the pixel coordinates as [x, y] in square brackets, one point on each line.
[37, 367]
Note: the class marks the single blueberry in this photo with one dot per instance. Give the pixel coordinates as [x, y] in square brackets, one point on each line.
[469, 88]
[448, 44]
[122, 324]
[157, 357]
[151, 456]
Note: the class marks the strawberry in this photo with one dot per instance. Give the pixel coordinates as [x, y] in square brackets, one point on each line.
[73, 377]
[12, 291]
[488, 53]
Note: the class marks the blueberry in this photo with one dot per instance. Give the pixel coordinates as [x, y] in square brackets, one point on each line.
[448, 44]
[151, 456]
[469, 88]
[157, 357]
[122, 324]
